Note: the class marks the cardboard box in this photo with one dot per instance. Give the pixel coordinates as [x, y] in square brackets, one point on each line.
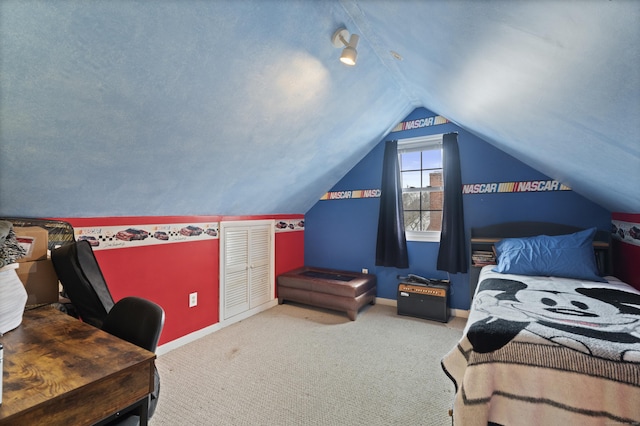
[35, 240]
[40, 280]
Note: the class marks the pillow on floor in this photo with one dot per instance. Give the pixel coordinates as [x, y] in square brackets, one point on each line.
[567, 256]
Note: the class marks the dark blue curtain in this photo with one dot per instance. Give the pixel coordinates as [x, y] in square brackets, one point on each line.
[391, 247]
[452, 256]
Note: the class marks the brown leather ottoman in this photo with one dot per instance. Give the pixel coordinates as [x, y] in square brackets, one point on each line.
[328, 288]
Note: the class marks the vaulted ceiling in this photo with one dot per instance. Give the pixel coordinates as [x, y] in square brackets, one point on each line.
[111, 108]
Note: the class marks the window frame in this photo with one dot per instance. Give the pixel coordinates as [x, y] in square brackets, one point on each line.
[417, 144]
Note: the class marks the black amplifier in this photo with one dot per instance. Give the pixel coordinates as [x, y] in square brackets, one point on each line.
[428, 301]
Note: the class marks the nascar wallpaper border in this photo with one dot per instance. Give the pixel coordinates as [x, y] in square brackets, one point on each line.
[420, 123]
[467, 189]
[521, 186]
[351, 194]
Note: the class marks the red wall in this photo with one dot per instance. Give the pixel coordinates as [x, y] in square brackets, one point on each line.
[289, 252]
[167, 274]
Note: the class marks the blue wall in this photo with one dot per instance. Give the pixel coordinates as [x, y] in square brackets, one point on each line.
[341, 234]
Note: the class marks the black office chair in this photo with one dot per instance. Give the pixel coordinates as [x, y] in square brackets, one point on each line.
[138, 321]
[83, 282]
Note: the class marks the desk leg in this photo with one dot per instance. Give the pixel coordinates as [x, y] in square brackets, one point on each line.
[144, 411]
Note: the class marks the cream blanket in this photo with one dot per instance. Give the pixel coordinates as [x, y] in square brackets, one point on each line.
[548, 351]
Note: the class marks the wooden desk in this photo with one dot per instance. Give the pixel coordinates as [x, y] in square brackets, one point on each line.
[61, 371]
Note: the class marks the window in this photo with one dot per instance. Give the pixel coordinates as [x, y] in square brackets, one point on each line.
[420, 162]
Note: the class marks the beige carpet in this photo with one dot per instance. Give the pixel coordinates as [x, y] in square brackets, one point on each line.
[297, 365]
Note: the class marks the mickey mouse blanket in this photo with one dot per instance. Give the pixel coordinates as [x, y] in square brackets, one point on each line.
[543, 350]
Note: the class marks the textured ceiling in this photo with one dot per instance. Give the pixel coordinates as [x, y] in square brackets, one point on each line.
[242, 107]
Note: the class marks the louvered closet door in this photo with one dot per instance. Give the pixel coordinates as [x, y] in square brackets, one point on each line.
[236, 271]
[247, 266]
[259, 257]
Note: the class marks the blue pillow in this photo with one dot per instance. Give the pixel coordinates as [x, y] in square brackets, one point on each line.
[567, 256]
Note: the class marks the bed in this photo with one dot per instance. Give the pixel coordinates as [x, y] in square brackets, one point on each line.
[548, 340]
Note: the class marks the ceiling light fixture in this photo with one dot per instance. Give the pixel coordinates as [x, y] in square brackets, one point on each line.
[349, 53]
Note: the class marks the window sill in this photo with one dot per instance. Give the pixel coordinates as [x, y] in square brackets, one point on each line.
[425, 237]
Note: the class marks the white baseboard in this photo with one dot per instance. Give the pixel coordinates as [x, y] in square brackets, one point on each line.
[251, 312]
[392, 302]
[460, 313]
[387, 302]
[191, 337]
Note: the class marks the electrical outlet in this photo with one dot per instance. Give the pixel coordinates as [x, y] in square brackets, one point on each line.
[193, 299]
[365, 271]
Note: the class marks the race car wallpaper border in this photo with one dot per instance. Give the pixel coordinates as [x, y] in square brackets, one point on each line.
[126, 236]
